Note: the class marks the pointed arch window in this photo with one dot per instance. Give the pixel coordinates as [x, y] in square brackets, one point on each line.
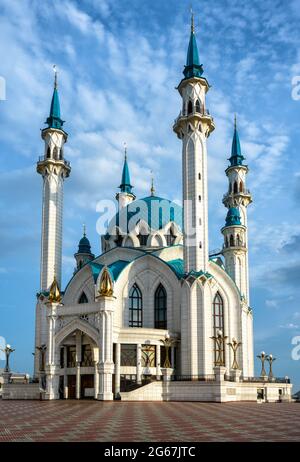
[235, 187]
[143, 238]
[190, 107]
[160, 308]
[135, 307]
[48, 153]
[231, 241]
[218, 325]
[198, 107]
[83, 298]
[170, 238]
[241, 187]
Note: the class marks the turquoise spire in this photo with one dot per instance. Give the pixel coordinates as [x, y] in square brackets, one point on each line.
[193, 67]
[233, 217]
[125, 185]
[236, 152]
[54, 120]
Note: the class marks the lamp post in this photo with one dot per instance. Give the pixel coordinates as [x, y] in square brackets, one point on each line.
[42, 352]
[270, 358]
[234, 345]
[168, 343]
[219, 340]
[7, 351]
[263, 358]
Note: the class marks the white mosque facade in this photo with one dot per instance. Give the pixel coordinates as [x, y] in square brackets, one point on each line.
[155, 316]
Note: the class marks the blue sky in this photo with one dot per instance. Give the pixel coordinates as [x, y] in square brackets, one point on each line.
[119, 63]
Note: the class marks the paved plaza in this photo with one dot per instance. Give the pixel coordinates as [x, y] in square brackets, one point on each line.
[152, 421]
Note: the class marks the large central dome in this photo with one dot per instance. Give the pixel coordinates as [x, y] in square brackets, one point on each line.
[143, 218]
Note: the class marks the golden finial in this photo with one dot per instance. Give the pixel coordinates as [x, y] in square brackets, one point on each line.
[106, 285]
[152, 189]
[192, 21]
[55, 75]
[54, 292]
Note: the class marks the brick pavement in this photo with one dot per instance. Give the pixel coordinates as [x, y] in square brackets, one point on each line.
[152, 422]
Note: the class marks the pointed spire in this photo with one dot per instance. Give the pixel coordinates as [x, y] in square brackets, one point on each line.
[193, 67]
[125, 185]
[54, 292]
[236, 152]
[54, 120]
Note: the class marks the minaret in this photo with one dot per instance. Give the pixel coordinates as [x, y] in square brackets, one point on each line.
[193, 127]
[54, 169]
[238, 197]
[84, 253]
[235, 249]
[125, 196]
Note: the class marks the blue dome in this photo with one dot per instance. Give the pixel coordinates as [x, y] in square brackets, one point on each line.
[156, 211]
[84, 245]
[233, 217]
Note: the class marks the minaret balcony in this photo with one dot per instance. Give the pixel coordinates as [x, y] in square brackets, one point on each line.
[43, 161]
[203, 116]
[233, 198]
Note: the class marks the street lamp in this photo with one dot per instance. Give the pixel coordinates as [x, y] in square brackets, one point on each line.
[168, 343]
[219, 343]
[263, 358]
[270, 358]
[7, 351]
[234, 345]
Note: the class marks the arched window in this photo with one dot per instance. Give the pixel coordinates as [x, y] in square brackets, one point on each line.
[235, 188]
[48, 153]
[198, 106]
[170, 238]
[83, 298]
[135, 307]
[190, 107]
[160, 308]
[218, 325]
[143, 238]
[231, 241]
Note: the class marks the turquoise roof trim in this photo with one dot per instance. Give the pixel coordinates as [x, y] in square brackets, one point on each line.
[125, 185]
[233, 217]
[236, 152]
[193, 67]
[115, 269]
[54, 120]
[178, 267]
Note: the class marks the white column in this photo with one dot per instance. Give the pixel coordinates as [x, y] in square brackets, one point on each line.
[172, 357]
[106, 366]
[117, 369]
[158, 365]
[65, 372]
[139, 363]
[78, 361]
[96, 379]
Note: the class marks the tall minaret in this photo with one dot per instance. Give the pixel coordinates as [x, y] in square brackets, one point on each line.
[54, 169]
[193, 127]
[238, 197]
[125, 196]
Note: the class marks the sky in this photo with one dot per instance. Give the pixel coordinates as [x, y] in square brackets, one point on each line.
[119, 63]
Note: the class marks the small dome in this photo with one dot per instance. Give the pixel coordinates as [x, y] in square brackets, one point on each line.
[233, 217]
[84, 245]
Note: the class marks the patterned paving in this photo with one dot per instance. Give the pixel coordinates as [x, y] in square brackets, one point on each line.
[152, 422]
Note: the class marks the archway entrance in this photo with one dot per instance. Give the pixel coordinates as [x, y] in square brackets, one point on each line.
[79, 356]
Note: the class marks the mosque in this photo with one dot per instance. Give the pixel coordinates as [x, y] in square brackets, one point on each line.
[155, 316]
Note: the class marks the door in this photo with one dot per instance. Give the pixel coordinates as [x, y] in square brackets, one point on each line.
[72, 386]
[87, 386]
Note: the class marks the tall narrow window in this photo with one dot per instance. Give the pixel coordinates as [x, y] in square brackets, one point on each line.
[143, 238]
[160, 308]
[83, 298]
[48, 153]
[198, 106]
[241, 187]
[235, 188]
[218, 325]
[135, 307]
[231, 241]
[190, 107]
[170, 238]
